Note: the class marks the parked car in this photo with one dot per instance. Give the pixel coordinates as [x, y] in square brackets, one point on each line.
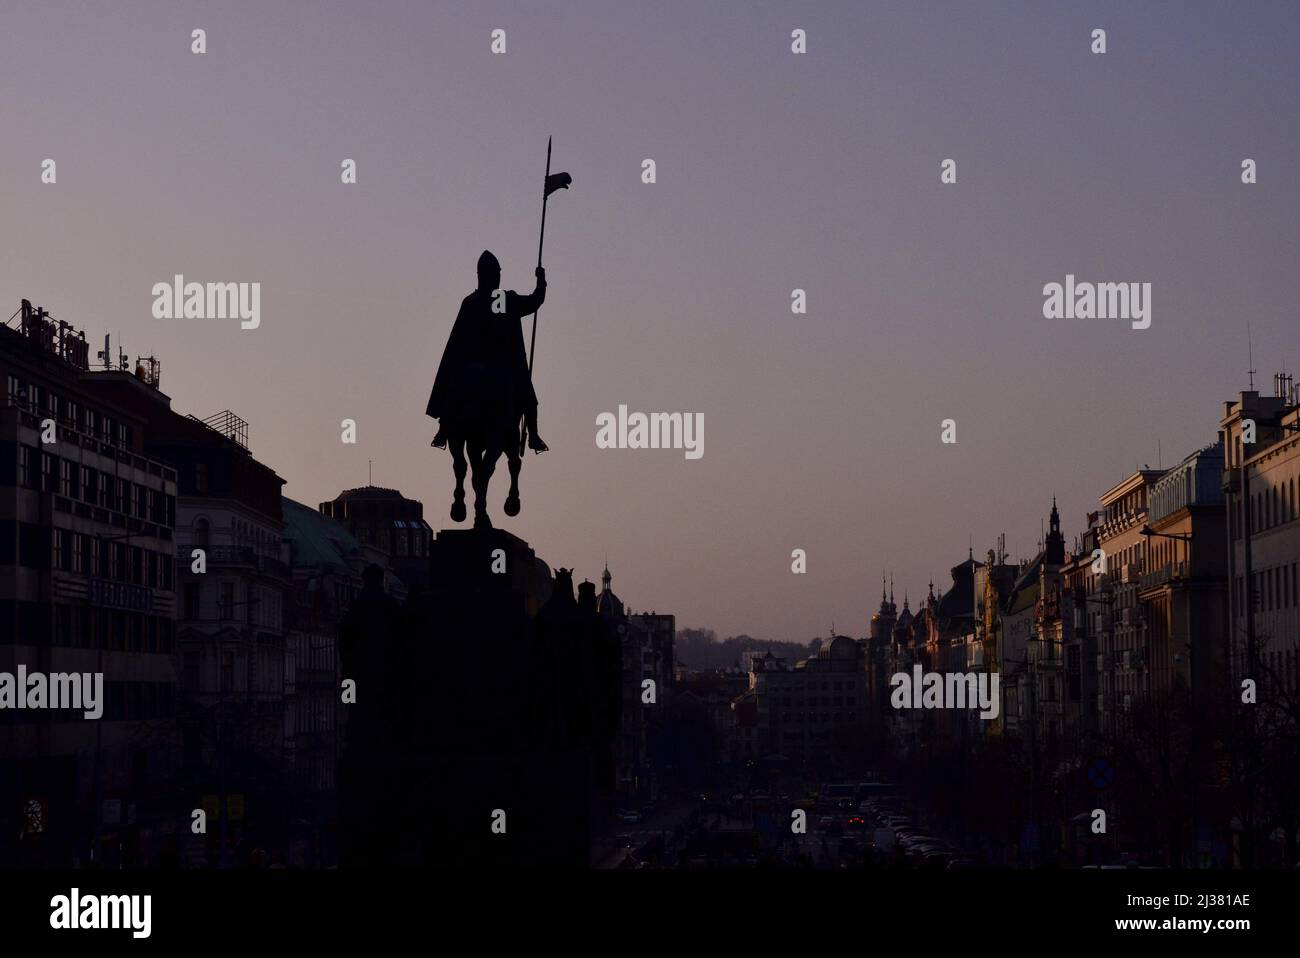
[920, 841]
[857, 823]
[921, 849]
[631, 818]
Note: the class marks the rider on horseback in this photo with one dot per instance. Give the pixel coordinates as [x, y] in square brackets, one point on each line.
[483, 382]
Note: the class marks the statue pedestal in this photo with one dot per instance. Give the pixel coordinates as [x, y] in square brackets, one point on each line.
[488, 565]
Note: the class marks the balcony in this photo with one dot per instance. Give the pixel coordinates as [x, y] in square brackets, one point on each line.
[1170, 572]
[1131, 618]
[29, 416]
[235, 555]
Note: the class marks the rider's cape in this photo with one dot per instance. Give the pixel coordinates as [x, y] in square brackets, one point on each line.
[484, 369]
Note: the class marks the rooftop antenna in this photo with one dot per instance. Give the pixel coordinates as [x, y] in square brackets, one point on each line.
[371, 479]
[1160, 461]
[1250, 355]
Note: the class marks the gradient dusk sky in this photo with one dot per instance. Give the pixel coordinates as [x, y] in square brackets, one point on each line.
[775, 171]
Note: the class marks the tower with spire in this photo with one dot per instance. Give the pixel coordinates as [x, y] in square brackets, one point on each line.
[1054, 547]
[882, 623]
[607, 603]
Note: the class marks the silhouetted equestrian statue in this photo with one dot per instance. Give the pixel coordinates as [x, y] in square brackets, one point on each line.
[484, 385]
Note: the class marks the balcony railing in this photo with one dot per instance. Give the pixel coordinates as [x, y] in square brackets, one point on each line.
[234, 555]
[1169, 572]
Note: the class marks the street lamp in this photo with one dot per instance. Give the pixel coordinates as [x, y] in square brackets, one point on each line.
[1148, 532]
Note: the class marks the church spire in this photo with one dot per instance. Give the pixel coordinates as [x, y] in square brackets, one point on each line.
[1054, 546]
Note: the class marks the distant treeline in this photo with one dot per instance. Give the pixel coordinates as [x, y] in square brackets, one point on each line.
[701, 649]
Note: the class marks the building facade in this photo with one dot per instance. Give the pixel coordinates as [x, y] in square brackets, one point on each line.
[1261, 483]
[386, 520]
[1183, 587]
[87, 585]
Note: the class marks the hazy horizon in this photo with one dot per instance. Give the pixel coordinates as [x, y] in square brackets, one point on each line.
[775, 171]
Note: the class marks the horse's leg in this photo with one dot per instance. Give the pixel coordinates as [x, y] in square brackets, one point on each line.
[459, 467]
[487, 466]
[479, 476]
[513, 460]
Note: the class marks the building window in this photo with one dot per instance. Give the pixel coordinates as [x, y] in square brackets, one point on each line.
[78, 553]
[227, 600]
[227, 671]
[192, 596]
[27, 467]
[67, 478]
[191, 671]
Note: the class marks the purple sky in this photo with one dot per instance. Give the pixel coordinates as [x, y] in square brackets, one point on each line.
[775, 171]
